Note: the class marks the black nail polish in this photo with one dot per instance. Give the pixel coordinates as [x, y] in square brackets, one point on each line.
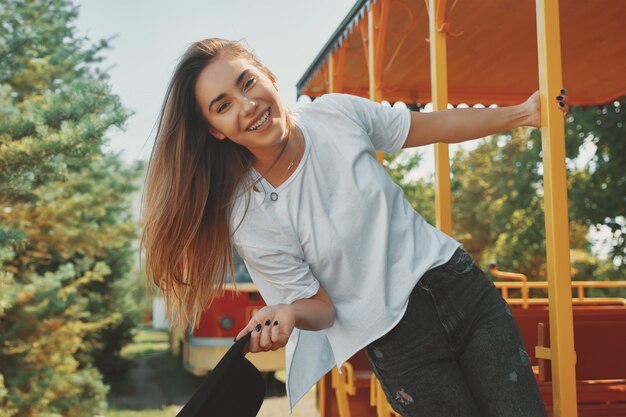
[563, 91]
[561, 104]
[559, 97]
[267, 322]
[276, 323]
[258, 327]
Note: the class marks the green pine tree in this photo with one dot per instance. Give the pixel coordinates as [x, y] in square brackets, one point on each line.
[65, 230]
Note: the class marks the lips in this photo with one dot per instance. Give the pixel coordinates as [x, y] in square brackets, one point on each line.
[260, 122]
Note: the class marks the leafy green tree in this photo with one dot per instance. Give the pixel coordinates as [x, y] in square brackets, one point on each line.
[498, 209]
[598, 188]
[65, 230]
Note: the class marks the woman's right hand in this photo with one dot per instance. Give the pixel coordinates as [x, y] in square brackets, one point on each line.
[271, 327]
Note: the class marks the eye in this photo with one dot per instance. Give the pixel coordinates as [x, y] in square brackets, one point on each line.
[251, 81]
[222, 107]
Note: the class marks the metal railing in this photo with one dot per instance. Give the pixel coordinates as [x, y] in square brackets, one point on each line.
[520, 281]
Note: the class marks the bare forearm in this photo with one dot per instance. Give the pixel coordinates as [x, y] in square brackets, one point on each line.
[313, 314]
[458, 125]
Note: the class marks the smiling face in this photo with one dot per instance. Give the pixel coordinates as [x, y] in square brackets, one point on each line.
[241, 103]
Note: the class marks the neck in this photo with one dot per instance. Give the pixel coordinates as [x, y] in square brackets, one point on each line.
[277, 169]
[266, 159]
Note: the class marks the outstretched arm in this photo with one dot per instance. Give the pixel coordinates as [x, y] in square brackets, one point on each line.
[459, 125]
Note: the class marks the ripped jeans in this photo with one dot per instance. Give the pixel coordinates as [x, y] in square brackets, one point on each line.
[457, 351]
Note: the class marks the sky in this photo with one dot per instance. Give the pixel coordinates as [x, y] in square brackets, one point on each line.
[152, 34]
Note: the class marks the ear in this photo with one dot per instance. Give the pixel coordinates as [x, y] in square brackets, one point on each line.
[216, 134]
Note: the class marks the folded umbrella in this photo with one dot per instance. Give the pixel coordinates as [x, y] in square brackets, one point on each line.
[235, 388]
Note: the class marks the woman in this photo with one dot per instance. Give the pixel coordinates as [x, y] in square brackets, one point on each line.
[335, 249]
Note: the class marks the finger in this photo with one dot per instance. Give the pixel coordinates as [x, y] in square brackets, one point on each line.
[254, 339]
[249, 327]
[282, 334]
[277, 340]
[265, 340]
[242, 333]
[563, 102]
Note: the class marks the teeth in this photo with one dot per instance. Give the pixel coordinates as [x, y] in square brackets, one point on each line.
[261, 121]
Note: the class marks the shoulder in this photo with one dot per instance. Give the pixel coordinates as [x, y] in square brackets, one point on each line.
[339, 101]
[335, 101]
[336, 107]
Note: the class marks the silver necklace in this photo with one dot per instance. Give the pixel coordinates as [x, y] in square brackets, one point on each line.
[274, 194]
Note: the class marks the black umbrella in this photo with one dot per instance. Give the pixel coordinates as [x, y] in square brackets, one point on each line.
[235, 388]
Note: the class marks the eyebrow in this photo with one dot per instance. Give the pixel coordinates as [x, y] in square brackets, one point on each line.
[237, 82]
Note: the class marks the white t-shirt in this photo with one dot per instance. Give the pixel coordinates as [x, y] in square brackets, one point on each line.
[340, 222]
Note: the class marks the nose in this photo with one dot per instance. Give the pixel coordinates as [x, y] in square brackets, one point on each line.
[248, 106]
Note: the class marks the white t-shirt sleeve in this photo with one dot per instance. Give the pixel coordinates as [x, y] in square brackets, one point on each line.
[386, 126]
[280, 277]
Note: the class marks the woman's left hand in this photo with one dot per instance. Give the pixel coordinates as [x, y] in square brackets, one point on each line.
[271, 327]
[533, 107]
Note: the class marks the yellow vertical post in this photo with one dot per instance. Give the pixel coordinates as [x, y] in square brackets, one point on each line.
[339, 63]
[321, 397]
[331, 73]
[562, 353]
[439, 89]
[376, 31]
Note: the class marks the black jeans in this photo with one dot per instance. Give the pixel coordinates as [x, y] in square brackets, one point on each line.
[457, 351]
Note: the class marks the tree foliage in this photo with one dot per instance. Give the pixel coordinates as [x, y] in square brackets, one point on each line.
[65, 229]
[498, 207]
[598, 188]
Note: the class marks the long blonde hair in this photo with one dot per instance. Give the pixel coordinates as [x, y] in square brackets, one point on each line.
[190, 189]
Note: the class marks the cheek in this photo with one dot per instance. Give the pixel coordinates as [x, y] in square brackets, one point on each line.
[228, 123]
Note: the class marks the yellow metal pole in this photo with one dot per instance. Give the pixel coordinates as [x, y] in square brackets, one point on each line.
[439, 88]
[562, 353]
[374, 54]
[321, 397]
[338, 69]
[374, 51]
[380, 33]
[331, 73]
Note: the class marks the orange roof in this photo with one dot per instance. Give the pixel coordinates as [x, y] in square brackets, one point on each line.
[492, 52]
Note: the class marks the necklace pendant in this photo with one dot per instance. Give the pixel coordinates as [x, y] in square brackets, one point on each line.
[273, 196]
